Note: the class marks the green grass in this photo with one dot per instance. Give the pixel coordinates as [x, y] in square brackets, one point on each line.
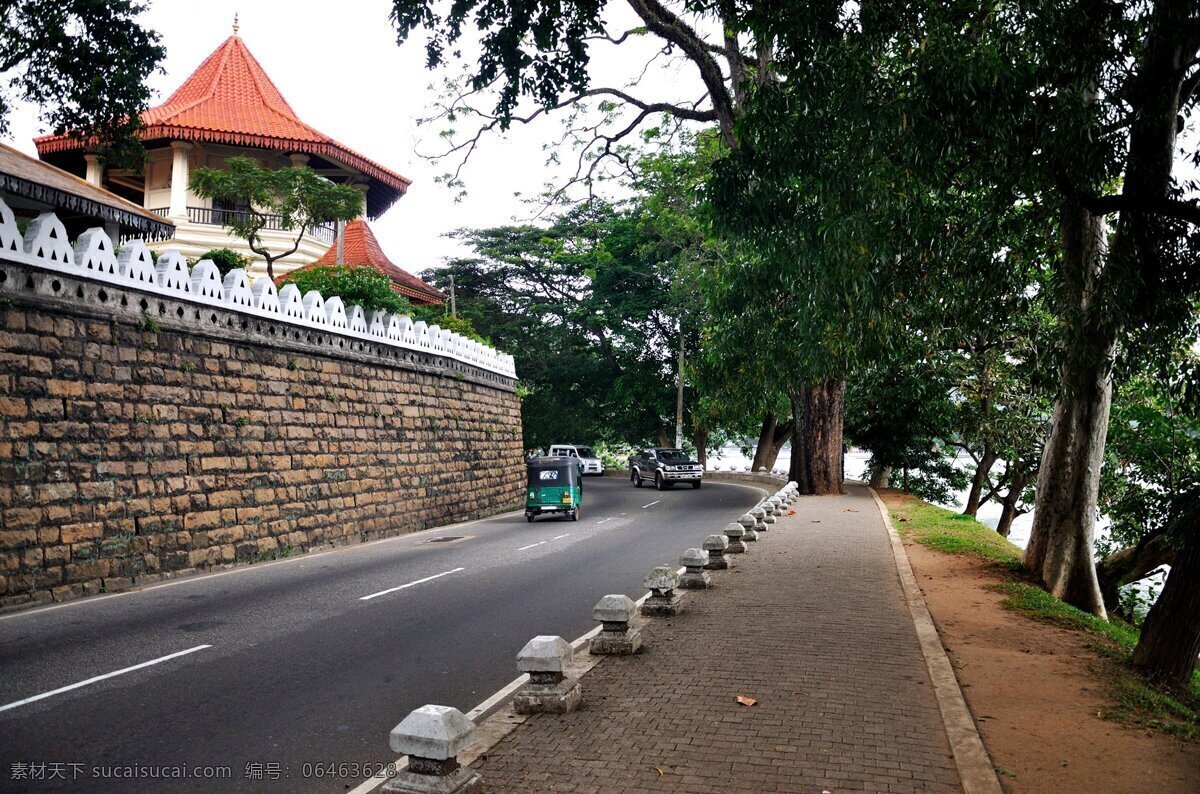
[952, 533]
[1135, 702]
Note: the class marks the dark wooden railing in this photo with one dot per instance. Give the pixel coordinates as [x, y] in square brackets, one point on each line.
[217, 217]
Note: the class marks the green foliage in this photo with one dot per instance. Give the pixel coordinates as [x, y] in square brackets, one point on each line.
[225, 259]
[441, 317]
[361, 285]
[299, 197]
[85, 64]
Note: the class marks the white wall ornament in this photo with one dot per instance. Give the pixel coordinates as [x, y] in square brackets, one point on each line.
[356, 319]
[172, 272]
[94, 254]
[266, 298]
[314, 307]
[290, 303]
[378, 323]
[237, 288]
[335, 313]
[393, 327]
[11, 241]
[135, 265]
[46, 239]
[206, 281]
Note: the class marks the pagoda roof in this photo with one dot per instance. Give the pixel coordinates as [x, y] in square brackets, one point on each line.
[362, 248]
[230, 99]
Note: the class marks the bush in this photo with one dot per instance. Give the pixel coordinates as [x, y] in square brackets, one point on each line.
[362, 285]
[225, 259]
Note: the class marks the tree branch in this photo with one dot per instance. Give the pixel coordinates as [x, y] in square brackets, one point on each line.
[670, 27]
[1180, 210]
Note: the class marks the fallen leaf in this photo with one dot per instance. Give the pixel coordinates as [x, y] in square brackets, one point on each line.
[903, 520]
[659, 771]
[791, 512]
[849, 510]
[814, 522]
[745, 701]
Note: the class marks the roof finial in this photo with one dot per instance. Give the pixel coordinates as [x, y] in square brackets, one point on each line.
[235, 23]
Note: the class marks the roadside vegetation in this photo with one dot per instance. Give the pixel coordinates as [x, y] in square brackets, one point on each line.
[1171, 710]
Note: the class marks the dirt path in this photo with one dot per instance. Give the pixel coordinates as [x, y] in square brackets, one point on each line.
[1034, 692]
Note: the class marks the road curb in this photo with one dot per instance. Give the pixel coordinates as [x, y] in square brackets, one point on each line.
[975, 769]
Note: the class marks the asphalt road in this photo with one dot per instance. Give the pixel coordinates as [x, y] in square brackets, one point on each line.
[288, 667]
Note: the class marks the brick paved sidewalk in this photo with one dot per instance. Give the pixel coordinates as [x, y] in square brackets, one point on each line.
[814, 625]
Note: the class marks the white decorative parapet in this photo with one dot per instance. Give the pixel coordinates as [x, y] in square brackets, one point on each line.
[45, 245]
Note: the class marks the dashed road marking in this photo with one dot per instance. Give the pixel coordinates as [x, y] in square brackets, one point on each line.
[410, 584]
[652, 504]
[98, 678]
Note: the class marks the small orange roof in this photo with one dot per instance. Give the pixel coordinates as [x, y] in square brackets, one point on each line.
[230, 99]
[361, 248]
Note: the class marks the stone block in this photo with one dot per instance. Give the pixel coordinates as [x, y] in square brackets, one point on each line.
[735, 533]
[616, 637]
[548, 697]
[694, 576]
[717, 546]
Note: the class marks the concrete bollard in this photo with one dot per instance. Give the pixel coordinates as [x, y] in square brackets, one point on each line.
[432, 737]
[750, 524]
[695, 577]
[548, 691]
[759, 515]
[663, 600]
[769, 511]
[616, 635]
[716, 546]
[735, 533]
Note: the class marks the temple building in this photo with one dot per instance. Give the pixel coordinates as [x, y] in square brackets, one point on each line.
[229, 107]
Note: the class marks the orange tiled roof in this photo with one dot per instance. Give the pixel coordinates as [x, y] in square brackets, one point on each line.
[230, 99]
[361, 248]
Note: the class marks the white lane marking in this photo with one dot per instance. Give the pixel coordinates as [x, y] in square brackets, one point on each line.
[410, 584]
[601, 521]
[93, 680]
[560, 537]
[531, 545]
[652, 504]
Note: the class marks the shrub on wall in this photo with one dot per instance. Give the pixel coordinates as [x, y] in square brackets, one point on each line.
[361, 285]
[225, 259]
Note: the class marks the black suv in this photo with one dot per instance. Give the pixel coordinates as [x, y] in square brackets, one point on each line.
[665, 466]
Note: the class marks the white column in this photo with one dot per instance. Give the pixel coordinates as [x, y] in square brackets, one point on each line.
[95, 170]
[298, 160]
[179, 179]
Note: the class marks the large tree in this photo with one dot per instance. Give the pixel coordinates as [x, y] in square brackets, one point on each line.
[84, 63]
[292, 200]
[541, 52]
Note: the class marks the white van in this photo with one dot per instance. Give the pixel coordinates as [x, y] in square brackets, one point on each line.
[588, 462]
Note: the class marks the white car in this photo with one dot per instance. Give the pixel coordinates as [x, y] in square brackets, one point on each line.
[588, 462]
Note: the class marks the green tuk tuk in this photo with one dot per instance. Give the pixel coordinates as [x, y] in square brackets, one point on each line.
[554, 486]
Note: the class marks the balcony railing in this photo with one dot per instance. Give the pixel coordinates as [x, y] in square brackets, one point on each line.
[326, 232]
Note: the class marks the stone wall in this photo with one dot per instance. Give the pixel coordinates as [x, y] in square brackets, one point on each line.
[144, 436]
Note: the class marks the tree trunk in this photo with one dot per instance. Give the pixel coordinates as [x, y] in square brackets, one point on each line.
[1010, 512]
[1060, 544]
[816, 464]
[881, 476]
[700, 439]
[982, 470]
[1130, 565]
[766, 438]
[1170, 640]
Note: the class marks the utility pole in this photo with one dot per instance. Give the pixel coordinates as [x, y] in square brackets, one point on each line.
[453, 307]
[679, 392]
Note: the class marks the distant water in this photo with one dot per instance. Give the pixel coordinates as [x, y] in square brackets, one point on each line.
[989, 513]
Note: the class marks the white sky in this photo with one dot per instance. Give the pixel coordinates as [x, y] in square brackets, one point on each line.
[339, 67]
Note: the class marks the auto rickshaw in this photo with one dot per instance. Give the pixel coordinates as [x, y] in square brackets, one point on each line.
[554, 486]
